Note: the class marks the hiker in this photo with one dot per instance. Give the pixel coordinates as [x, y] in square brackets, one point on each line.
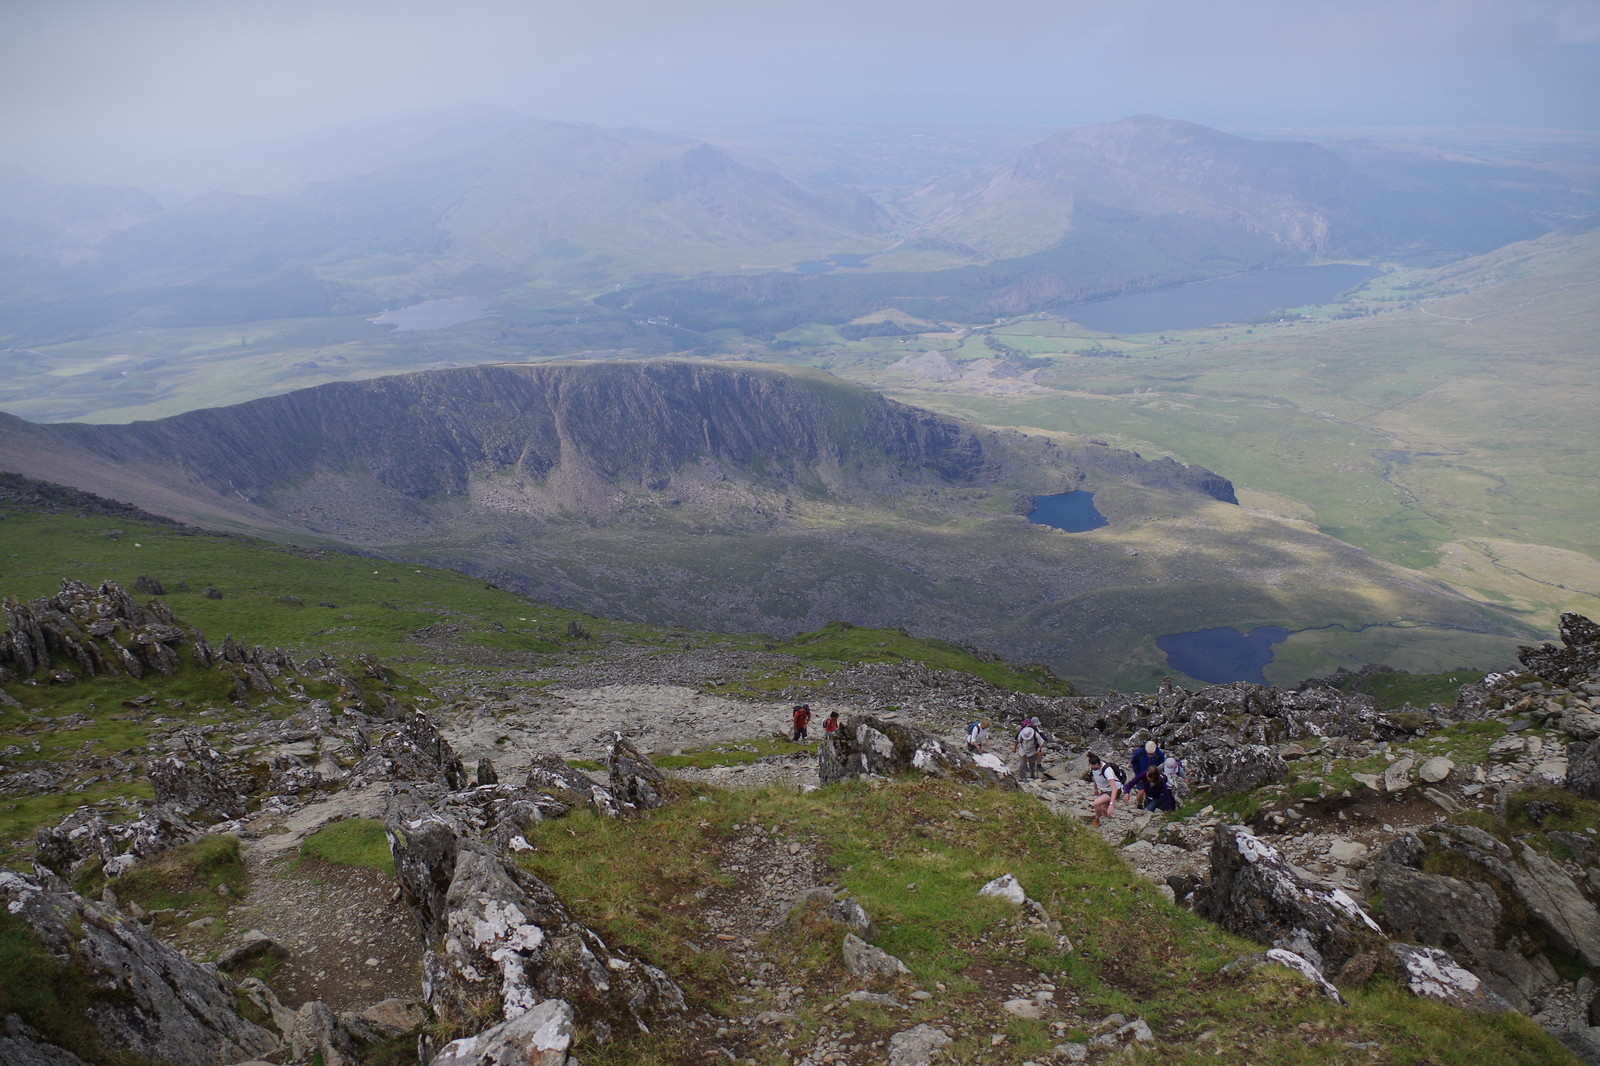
[830, 725]
[1029, 749]
[1107, 781]
[802, 719]
[1177, 776]
[1157, 791]
[978, 736]
[1143, 759]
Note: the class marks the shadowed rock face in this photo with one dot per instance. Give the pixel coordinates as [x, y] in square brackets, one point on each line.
[572, 436]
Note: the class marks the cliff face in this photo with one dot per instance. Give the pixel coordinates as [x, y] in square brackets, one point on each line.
[580, 438]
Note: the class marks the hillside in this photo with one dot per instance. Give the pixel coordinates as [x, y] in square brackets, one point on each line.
[354, 811]
[749, 498]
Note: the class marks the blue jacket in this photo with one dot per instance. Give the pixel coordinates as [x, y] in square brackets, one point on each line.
[1143, 760]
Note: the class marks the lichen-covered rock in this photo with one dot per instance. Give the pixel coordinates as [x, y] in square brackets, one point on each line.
[158, 1004]
[849, 913]
[1239, 769]
[413, 751]
[635, 781]
[872, 746]
[509, 939]
[917, 1046]
[865, 960]
[538, 1037]
[199, 782]
[1254, 893]
[1578, 660]
[1434, 974]
[317, 1031]
[549, 773]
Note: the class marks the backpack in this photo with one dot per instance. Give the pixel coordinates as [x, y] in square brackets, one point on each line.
[1115, 771]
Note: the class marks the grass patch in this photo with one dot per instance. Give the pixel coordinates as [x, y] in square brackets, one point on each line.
[185, 879]
[351, 842]
[899, 849]
[841, 641]
[731, 753]
[1393, 691]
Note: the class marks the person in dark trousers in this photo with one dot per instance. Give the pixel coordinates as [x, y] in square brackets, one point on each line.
[802, 719]
[1157, 791]
[1029, 749]
[830, 725]
[1143, 759]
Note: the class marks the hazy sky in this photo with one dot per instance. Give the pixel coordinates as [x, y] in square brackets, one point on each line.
[82, 76]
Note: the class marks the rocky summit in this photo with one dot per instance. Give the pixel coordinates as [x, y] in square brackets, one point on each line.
[621, 852]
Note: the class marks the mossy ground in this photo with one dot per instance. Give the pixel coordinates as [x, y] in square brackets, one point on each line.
[900, 850]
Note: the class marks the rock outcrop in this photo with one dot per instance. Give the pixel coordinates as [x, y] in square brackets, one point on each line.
[635, 781]
[507, 937]
[1254, 893]
[150, 1000]
[868, 746]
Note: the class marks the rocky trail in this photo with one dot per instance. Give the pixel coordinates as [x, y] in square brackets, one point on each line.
[1299, 805]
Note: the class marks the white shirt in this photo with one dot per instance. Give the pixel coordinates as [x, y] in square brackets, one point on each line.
[1105, 780]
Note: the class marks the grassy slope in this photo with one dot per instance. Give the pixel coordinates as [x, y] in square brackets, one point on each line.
[899, 849]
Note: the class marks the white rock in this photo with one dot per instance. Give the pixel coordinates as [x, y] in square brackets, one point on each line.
[1397, 778]
[537, 1037]
[1306, 970]
[1006, 887]
[1372, 781]
[1436, 769]
[916, 1046]
[1023, 1008]
[1435, 974]
[1346, 851]
[864, 960]
[1072, 1052]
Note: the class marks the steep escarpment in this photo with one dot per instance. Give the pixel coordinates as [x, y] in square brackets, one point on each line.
[755, 499]
[579, 438]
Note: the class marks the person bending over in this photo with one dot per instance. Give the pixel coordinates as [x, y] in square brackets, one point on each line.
[1107, 780]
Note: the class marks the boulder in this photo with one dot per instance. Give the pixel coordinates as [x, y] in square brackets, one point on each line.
[395, 1015]
[864, 960]
[635, 781]
[1242, 768]
[1578, 661]
[157, 1005]
[424, 850]
[1464, 919]
[549, 773]
[1397, 776]
[871, 746]
[486, 773]
[537, 1037]
[1558, 905]
[917, 1046]
[317, 1032]
[848, 912]
[1583, 769]
[21, 1046]
[1253, 892]
[200, 785]
[1432, 973]
[414, 751]
[1006, 887]
[254, 945]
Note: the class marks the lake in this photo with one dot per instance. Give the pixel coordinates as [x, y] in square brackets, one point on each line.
[435, 314]
[1073, 512]
[824, 266]
[1218, 656]
[1207, 303]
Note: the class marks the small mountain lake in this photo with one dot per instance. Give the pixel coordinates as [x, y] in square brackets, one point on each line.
[1207, 303]
[1073, 512]
[435, 314]
[824, 266]
[1218, 656]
